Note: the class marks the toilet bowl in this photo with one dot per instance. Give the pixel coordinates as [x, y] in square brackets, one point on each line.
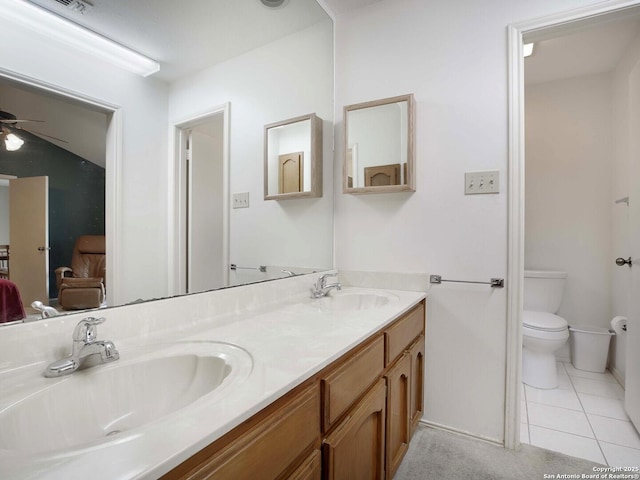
[543, 332]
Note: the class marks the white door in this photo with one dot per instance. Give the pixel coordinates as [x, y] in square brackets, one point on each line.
[29, 237]
[205, 259]
[632, 365]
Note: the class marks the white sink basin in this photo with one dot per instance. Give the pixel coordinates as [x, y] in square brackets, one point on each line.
[105, 402]
[350, 300]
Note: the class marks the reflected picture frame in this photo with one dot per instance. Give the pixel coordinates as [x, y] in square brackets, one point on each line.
[315, 160]
[354, 180]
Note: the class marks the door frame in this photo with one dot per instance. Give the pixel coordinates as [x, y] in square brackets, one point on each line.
[113, 171]
[533, 30]
[178, 199]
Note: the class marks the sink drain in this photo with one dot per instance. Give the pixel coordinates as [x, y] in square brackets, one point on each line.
[114, 432]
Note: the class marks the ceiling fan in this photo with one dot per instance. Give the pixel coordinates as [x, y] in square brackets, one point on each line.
[10, 127]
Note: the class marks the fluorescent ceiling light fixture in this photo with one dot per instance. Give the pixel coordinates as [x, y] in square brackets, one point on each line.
[12, 142]
[80, 38]
[527, 50]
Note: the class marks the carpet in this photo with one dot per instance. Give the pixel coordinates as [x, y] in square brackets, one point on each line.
[435, 454]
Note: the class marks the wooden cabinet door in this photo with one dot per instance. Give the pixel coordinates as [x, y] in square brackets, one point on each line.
[355, 449]
[382, 175]
[398, 406]
[290, 173]
[416, 352]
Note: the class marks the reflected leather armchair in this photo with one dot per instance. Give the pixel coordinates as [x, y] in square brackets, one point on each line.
[82, 285]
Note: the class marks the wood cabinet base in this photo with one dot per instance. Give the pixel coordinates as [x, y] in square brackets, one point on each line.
[355, 450]
[353, 420]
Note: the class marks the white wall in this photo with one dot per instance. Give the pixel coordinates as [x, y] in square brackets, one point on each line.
[142, 235]
[453, 57]
[568, 174]
[292, 81]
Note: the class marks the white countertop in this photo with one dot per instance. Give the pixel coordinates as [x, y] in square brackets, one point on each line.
[288, 341]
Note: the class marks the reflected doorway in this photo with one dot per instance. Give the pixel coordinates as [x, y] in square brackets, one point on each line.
[204, 202]
[72, 142]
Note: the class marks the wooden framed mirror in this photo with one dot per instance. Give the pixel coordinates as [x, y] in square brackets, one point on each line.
[293, 158]
[379, 146]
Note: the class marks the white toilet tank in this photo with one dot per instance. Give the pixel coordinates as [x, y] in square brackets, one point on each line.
[543, 290]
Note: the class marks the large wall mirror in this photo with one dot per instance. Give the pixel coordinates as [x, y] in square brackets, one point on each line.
[379, 146]
[244, 60]
[293, 158]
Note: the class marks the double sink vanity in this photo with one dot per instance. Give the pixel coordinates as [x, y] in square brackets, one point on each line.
[259, 381]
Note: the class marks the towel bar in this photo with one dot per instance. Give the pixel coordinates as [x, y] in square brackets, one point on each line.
[261, 268]
[495, 282]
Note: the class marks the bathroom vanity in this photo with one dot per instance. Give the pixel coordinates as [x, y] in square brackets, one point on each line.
[354, 419]
[308, 388]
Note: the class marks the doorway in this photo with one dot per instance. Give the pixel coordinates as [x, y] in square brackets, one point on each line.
[520, 254]
[202, 170]
[73, 165]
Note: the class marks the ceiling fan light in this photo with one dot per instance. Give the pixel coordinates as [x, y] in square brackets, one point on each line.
[12, 142]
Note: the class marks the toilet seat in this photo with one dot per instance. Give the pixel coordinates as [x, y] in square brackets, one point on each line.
[543, 321]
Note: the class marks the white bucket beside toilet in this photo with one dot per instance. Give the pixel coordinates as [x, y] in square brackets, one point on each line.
[543, 332]
[590, 347]
[618, 348]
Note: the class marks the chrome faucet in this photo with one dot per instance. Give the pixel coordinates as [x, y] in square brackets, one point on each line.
[45, 310]
[321, 289]
[85, 349]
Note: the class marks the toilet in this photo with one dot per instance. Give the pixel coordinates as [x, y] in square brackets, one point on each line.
[543, 332]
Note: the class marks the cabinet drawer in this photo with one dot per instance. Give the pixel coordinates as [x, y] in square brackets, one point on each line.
[402, 333]
[310, 469]
[264, 451]
[343, 386]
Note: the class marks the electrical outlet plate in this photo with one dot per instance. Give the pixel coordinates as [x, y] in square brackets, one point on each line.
[241, 200]
[481, 182]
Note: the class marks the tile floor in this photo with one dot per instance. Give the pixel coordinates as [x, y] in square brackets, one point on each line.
[584, 417]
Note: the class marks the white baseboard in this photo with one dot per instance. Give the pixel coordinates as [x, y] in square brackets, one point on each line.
[445, 428]
[617, 375]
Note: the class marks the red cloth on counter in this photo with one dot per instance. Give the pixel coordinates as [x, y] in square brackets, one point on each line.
[11, 307]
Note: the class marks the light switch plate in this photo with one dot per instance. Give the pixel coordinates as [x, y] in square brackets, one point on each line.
[481, 182]
[241, 200]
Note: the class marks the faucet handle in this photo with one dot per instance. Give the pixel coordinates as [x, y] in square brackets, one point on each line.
[109, 353]
[86, 330]
[323, 279]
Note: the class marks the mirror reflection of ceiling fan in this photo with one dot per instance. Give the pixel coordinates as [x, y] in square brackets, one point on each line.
[10, 128]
